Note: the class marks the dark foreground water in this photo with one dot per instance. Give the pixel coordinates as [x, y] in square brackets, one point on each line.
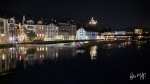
[114, 63]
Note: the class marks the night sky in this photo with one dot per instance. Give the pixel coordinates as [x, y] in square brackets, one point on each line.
[116, 13]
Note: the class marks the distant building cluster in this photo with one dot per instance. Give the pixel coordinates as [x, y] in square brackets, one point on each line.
[51, 30]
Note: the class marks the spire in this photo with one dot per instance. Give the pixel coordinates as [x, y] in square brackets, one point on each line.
[92, 18]
[23, 19]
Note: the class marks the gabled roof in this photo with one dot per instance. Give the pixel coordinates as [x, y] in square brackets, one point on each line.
[89, 29]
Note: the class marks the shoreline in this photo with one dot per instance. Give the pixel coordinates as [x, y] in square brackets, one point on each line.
[60, 41]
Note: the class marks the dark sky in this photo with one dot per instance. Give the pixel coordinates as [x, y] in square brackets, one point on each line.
[116, 13]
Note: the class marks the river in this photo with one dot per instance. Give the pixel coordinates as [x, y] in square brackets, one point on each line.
[63, 63]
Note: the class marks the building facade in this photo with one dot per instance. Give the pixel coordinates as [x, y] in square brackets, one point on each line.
[87, 34]
[3, 26]
[40, 31]
[81, 34]
[138, 31]
[66, 31]
[30, 26]
[51, 32]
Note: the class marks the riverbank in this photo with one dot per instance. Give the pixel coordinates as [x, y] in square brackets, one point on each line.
[6, 45]
[54, 42]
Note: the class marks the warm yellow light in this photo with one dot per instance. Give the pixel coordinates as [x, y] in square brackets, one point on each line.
[2, 35]
[3, 57]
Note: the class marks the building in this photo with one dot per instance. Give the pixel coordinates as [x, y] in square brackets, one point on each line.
[81, 34]
[138, 31]
[66, 30]
[4, 31]
[51, 32]
[30, 26]
[87, 33]
[3, 26]
[40, 31]
[120, 32]
[92, 22]
[12, 30]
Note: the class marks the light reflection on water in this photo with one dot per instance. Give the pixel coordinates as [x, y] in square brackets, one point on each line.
[93, 52]
[29, 55]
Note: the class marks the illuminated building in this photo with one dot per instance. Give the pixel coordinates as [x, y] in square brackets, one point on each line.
[29, 25]
[92, 22]
[138, 31]
[86, 33]
[67, 30]
[40, 31]
[51, 32]
[3, 26]
[120, 32]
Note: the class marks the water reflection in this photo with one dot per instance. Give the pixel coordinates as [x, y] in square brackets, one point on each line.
[93, 52]
[10, 57]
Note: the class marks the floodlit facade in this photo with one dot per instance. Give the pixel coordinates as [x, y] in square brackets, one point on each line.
[93, 22]
[40, 31]
[66, 31]
[30, 26]
[138, 31]
[51, 32]
[120, 32]
[86, 33]
[81, 34]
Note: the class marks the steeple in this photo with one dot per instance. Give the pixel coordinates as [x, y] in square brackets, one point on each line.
[23, 19]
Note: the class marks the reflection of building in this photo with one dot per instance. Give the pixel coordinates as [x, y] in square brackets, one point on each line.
[4, 60]
[93, 52]
[51, 32]
[138, 31]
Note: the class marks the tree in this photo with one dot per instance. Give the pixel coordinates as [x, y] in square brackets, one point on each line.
[31, 35]
[31, 51]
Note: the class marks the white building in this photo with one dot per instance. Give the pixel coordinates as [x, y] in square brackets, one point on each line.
[86, 34]
[120, 32]
[30, 26]
[51, 32]
[3, 25]
[81, 34]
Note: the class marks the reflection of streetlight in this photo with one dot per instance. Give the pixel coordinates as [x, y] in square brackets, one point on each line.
[3, 57]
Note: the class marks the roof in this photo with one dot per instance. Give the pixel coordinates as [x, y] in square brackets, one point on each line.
[90, 29]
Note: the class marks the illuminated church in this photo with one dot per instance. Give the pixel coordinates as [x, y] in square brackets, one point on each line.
[92, 22]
